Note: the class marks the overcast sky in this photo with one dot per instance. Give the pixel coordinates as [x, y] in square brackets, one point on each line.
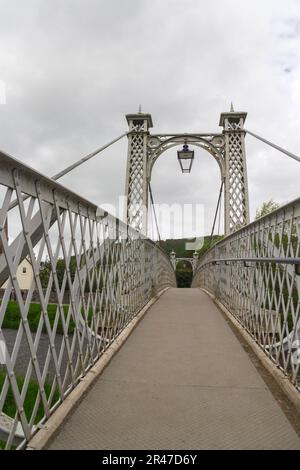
[74, 68]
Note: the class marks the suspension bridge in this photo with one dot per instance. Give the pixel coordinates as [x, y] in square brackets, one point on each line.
[107, 353]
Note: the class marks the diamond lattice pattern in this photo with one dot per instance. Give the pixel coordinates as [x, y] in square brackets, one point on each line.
[263, 295]
[236, 182]
[135, 182]
[90, 275]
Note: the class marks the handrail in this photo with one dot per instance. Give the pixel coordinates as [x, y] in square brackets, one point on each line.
[89, 272]
[255, 273]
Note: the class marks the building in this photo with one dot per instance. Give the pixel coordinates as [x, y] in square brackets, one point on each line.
[24, 271]
[24, 275]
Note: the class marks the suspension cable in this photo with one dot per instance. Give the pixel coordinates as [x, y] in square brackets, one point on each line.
[289, 154]
[86, 158]
[154, 212]
[219, 222]
[216, 213]
[151, 235]
[152, 224]
[74, 165]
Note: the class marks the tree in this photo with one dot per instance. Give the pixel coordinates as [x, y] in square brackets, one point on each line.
[184, 274]
[46, 270]
[208, 244]
[266, 208]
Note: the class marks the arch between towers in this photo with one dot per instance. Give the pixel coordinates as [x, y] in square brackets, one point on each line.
[215, 150]
[213, 144]
[227, 148]
[189, 261]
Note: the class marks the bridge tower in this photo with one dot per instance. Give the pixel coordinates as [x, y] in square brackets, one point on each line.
[136, 177]
[228, 149]
[236, 197]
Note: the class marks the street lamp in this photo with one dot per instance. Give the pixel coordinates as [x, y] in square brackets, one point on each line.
[185, 158]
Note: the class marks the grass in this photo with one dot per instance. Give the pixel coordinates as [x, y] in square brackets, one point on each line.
[32, 392]
[12, 317]
[12, 320]
[3, 444]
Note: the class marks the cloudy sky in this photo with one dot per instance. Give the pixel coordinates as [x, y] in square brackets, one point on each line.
[74, 68]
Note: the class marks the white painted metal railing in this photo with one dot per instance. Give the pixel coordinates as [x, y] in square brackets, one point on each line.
[90, 275]
[255, 274]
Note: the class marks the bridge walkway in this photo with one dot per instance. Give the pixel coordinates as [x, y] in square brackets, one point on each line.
[181, 381]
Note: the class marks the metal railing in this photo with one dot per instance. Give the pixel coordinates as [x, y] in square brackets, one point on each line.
[255, 274]
[89, 275]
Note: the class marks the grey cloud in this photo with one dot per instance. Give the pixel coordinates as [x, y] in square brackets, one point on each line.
[74, 68]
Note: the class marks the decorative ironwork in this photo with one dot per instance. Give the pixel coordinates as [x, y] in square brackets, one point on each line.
[192, 261]
[236, 181]
[136, 179]
[254, 273]
[185, 158]
[227, 148]
[91, 275]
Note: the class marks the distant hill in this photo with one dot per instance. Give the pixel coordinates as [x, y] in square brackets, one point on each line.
[178, 245]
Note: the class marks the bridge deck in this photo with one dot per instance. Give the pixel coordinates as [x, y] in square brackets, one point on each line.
[181, 381]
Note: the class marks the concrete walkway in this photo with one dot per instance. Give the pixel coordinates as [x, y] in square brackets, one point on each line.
[181, 381]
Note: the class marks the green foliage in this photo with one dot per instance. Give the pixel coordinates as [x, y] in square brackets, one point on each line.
[3, 444]
[184, 274]
[12, 317]
[60, 270]
[284, 295]
[266, 208]
[178, 245]
[207, 244]
[32, 391]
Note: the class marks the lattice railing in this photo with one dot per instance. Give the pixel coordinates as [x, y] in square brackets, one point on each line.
[87, 273]
[255, 274]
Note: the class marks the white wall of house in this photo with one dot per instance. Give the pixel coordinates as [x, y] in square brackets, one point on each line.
[24, 275]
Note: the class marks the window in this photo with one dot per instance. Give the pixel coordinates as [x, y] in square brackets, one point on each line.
[24, 270]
